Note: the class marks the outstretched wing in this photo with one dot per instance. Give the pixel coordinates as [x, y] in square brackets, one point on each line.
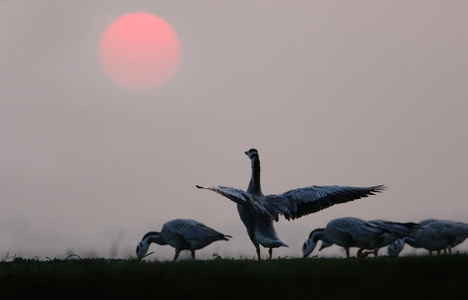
[239, 196]
[303, 201]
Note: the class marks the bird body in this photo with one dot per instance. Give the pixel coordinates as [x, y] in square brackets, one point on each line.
[181, 234]
[347, 232]
[260, 228]
[258, 211]
[432, 238]
[435, 235]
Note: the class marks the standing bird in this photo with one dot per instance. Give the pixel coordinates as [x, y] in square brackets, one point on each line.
[258, 211]
[182, 234]
[348, 232]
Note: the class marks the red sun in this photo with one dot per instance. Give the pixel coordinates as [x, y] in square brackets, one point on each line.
[139, 51]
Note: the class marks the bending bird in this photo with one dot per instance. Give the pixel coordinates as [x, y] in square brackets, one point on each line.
[258, 211]
[349, 232]
[435, 235]
[182, 234]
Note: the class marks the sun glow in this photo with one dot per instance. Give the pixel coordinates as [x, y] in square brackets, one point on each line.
[139, 51]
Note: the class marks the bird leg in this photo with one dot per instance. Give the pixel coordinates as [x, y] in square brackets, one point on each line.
[347, 254]
[175, 256]
[270, 251]
[193, 254]
[258, 254]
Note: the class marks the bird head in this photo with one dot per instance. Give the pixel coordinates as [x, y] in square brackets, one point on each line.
[251, 153]
[310, 244]
[143, 245]
[142, 249]
[308, 247]
[395, 248]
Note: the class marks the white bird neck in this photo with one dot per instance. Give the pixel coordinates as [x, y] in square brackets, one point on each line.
[254, 184]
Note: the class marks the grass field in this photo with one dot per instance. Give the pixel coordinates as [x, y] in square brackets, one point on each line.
[422, 277]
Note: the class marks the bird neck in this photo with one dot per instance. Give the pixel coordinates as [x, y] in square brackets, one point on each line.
[317, 235]
[155, 238]
[410, 241]
[254, 185]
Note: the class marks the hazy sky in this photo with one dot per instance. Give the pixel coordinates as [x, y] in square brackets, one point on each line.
[330, 92]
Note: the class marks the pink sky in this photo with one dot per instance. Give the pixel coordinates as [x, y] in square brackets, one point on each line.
[330, 92]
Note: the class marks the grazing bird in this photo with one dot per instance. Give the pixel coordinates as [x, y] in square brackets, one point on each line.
[393, 232]
[258, 211]
[459, 229]
[182, 234]
[348, 232]
[435, 235]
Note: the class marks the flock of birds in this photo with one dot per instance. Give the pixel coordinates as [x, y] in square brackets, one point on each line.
[370, 236]
[258, 212]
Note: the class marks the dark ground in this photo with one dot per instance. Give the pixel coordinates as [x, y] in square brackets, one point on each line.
[423, 277]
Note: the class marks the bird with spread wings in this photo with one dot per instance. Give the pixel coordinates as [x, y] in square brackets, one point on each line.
[258, 211]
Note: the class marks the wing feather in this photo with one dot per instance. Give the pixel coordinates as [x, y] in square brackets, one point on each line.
[239, 196]
[303, 201]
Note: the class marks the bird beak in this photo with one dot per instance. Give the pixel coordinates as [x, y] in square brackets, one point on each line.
[246, 152]
[146, 255]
